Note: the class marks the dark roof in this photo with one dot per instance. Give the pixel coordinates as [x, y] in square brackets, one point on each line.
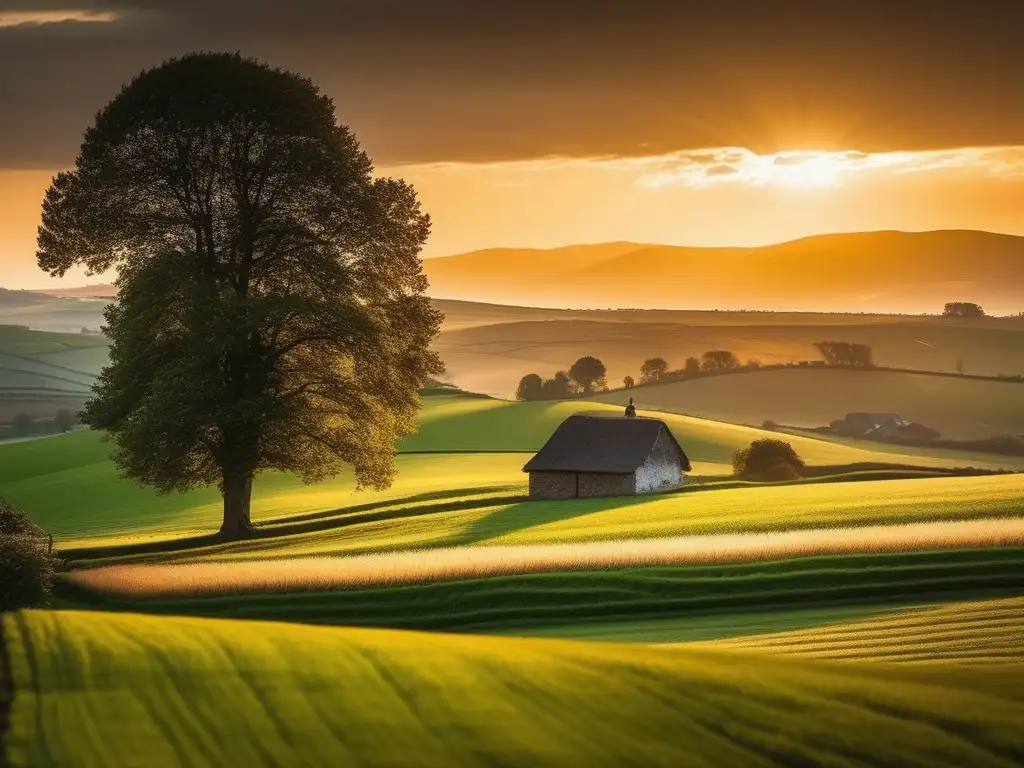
[601, 444]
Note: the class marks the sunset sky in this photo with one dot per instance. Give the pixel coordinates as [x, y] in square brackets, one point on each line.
[546, 122]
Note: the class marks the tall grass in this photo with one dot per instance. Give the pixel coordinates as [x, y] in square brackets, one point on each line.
[455, 563]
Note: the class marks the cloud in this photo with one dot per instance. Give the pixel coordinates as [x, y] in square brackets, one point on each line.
[447, 80]
[824, 169]
[719, 170]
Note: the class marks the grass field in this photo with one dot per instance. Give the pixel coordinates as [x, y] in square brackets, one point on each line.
[454, 486]
[94, 689]
[41, 373]
[988, 631]
[958, 408]
[534, 602]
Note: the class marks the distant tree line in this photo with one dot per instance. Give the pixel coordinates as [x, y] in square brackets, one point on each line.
[845, 353]
[24, 425]
[963, 309]
[586, 376]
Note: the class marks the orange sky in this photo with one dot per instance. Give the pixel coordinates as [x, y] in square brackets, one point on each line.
[700, 197]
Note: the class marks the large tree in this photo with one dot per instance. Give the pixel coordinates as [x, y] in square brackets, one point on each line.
[589, 373]
[270, 311]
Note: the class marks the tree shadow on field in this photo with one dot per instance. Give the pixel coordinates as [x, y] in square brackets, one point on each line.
[528, 514]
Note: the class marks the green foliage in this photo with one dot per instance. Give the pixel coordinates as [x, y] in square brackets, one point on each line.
[589, 373]
[26, 566]
[653, 369]
[271, 311]
[769, 460]
[719, 360]
[23, 425]
[559, 387]
[531, 387]
[65, 420]
[963, 309]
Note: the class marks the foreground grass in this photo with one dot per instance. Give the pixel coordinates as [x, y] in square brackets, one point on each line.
[988, 631]
[539, 599]
[115, 690]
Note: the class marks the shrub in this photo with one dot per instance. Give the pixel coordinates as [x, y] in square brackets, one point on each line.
[26, 566]
[531, 387]
[769, 425]
[767, 459]
[23, 425]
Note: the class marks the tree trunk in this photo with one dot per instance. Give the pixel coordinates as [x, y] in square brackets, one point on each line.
[237, 501]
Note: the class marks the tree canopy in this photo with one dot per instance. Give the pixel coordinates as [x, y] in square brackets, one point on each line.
[589, 373]
[963, 309]
[845, 353]
[271, 311]
[719, 360]
[653, 369]
[531, 387]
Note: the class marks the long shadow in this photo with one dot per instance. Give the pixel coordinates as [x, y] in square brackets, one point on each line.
[342, 518]
[527, 514]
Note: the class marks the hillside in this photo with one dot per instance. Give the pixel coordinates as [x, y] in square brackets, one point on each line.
[856, 272]
[981, 632]
[958, 408]
[466, 462]
[488, 348]
[199, 691]
[98, 291]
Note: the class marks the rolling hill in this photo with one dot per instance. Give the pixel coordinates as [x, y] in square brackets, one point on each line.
[854, 272]
[183, 691]
[960, 408]
[488, 348]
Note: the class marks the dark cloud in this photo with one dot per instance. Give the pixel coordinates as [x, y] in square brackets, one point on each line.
[431, 80]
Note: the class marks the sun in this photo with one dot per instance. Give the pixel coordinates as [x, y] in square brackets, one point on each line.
[805, 170]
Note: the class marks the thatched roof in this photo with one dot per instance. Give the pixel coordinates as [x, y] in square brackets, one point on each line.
[602, 444]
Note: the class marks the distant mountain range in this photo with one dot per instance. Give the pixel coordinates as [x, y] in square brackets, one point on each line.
[911, 272]
[100, 291]
[865, 271]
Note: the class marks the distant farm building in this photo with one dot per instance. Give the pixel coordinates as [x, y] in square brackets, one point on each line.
[590, 456]
[874, 424]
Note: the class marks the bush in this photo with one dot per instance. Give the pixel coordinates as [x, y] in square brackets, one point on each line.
[769, 425]
[768, 460]
[27, 567]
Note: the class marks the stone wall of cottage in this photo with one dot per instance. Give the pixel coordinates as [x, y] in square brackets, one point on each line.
[592, 485]
[552, 485]
[663, 468]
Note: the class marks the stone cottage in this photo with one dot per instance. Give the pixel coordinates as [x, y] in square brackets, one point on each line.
[591, 456]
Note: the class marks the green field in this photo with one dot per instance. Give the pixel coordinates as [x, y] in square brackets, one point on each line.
[96, 689]
[457, 458]
[988, 632]
[958, 408]
[568, 602]
[40, 373]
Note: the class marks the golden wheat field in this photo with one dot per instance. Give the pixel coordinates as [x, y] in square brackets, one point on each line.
[452, 563]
